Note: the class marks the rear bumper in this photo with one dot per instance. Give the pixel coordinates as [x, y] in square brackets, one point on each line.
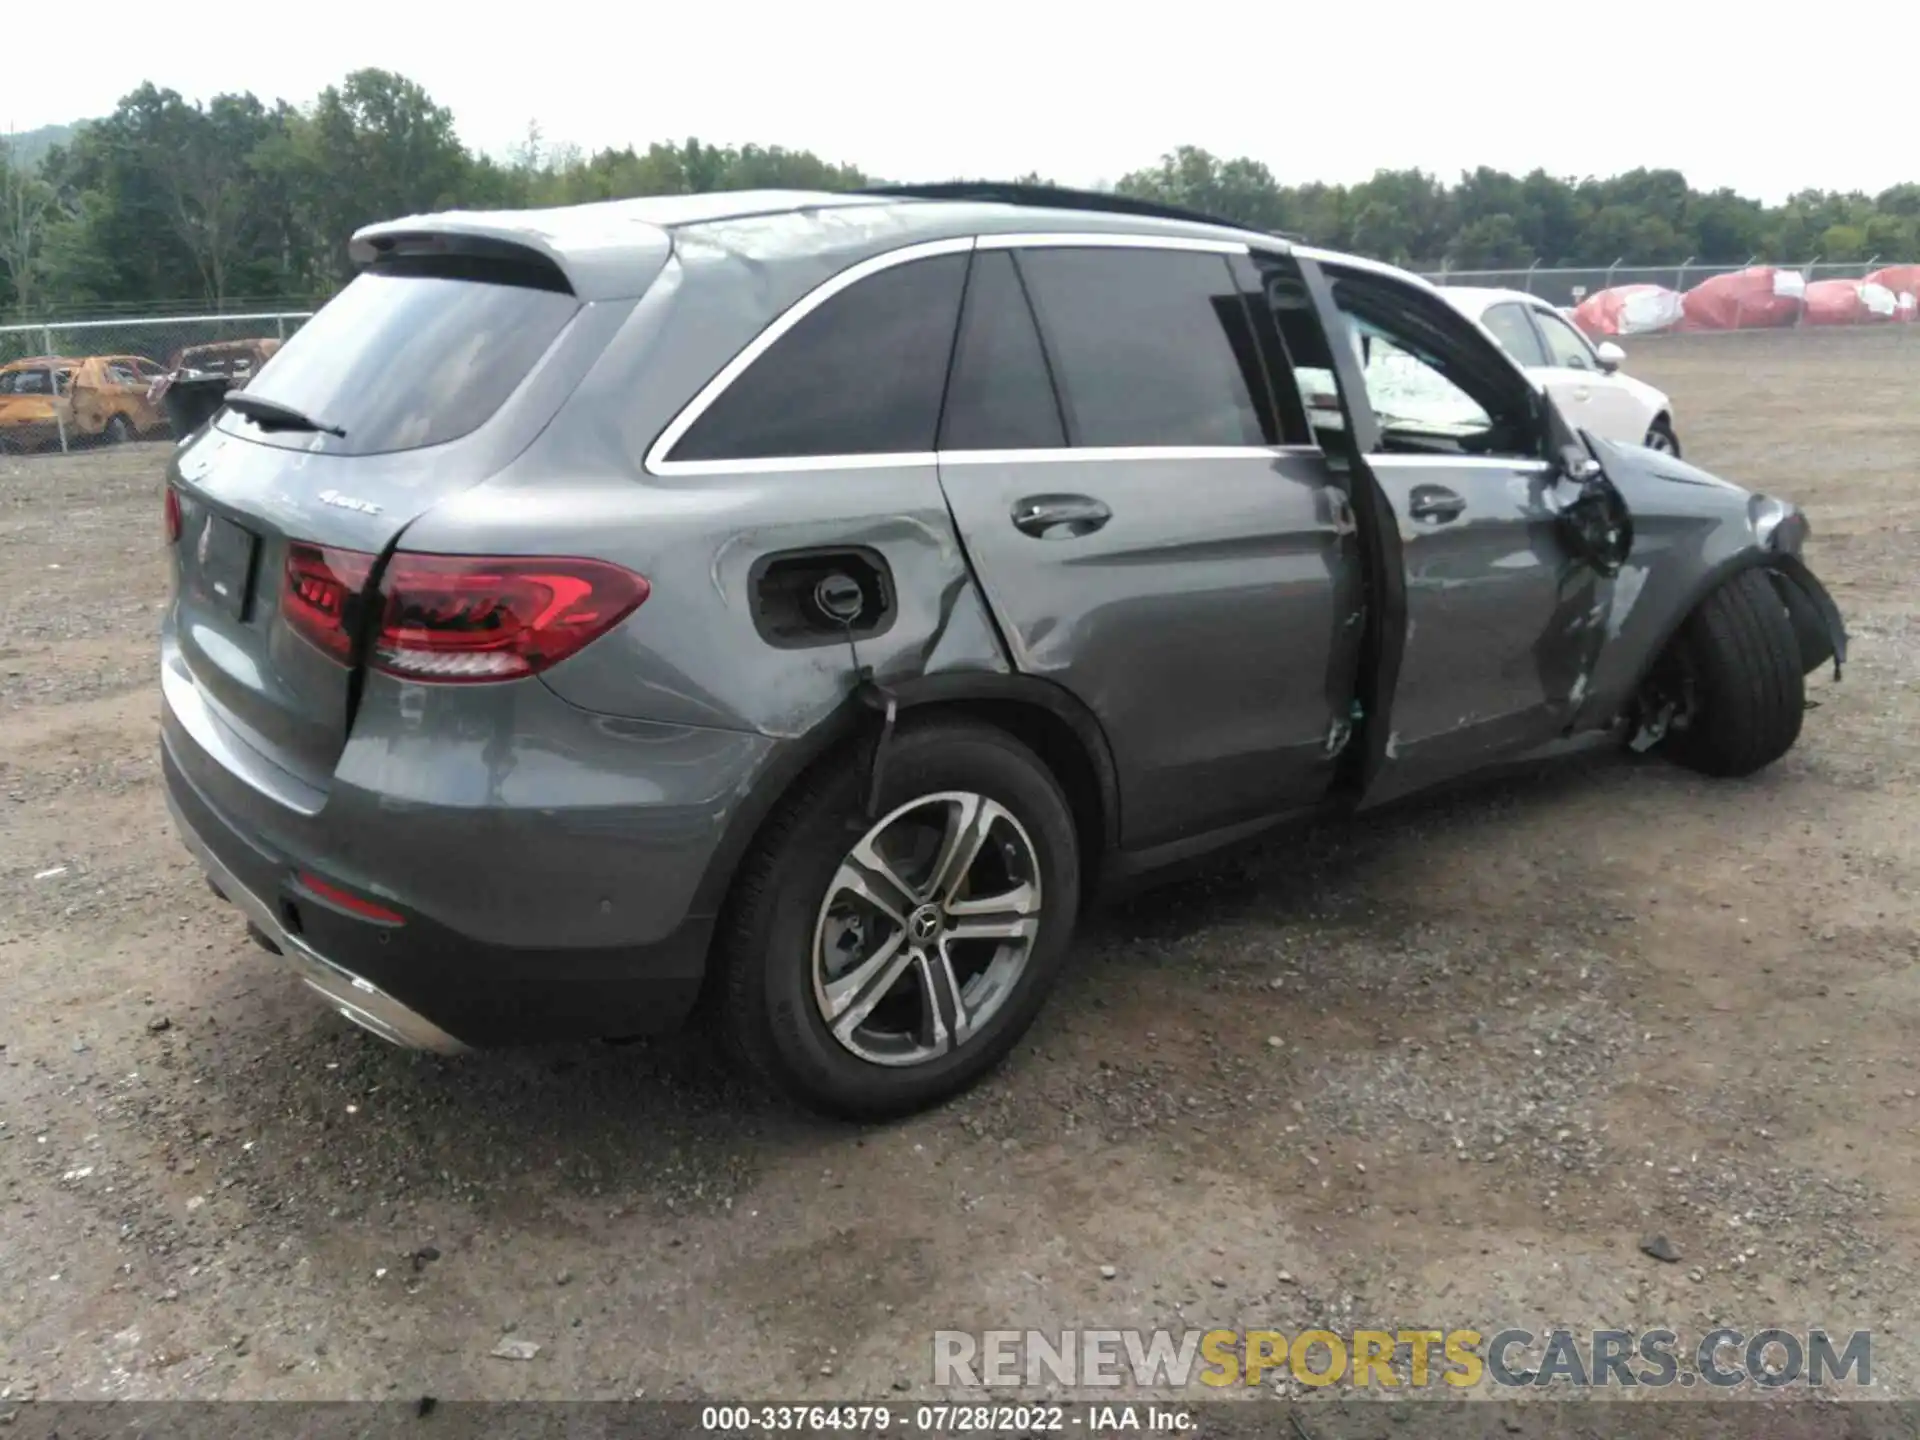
[358, 999]
[542, 916]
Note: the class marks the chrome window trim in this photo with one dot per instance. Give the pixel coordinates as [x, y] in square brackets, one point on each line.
[1063, 455]
[1059, 454]
[1469, 462]
[782, 464]
[658, 463]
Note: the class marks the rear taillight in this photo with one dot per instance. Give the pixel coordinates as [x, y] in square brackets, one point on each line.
[320, 595]
[458, 618]
[467, 618]
[173, 516]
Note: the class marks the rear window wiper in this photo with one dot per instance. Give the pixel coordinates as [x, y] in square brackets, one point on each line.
[272, 415]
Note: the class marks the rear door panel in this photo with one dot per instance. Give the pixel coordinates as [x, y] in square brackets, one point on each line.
[1199, 624]
[1196, 591]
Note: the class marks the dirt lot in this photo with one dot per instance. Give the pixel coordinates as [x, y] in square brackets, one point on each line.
[1445, 1068]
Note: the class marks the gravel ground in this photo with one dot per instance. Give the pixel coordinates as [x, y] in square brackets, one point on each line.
[1445, 1068]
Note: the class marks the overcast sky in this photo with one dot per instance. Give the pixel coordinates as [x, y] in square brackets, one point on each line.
[1766, 100]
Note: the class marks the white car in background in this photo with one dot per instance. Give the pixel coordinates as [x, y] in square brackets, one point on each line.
[1584, 379]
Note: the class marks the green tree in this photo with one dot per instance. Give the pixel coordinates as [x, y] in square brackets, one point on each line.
[117, 239]
[1725, 228]
[375, 147]
[203, 163]
[1492, 242]
[171, 201]
[1242, 190]
[1401, 215]
[1555, 214]
[27, 211]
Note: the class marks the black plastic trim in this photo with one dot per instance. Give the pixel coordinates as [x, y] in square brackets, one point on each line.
[1057, 197]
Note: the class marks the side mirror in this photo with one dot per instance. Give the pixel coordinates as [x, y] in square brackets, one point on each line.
[1610, 355]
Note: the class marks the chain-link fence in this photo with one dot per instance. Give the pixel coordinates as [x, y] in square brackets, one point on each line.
[75, 383]
[65, 384]
[1564, 285]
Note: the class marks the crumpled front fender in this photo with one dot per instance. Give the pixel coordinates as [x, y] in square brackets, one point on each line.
[1692, 533]
[1817, 623]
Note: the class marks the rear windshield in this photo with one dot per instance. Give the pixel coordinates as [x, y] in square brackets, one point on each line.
[403, 361]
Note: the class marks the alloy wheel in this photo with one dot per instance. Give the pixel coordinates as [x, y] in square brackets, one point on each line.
[926, 928]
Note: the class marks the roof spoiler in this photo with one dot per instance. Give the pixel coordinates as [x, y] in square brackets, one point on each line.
[592, 252]
[1058, 197]
[454, 251]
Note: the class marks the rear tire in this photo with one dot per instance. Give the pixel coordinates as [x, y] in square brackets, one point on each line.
[1738, 664]
[119, 430]
[1660, 437]
[796, 936]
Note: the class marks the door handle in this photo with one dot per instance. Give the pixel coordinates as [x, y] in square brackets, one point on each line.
[1435, 503]
[1582, 394]
[1059, 517]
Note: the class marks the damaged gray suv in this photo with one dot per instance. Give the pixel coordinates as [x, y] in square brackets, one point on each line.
[792, 608]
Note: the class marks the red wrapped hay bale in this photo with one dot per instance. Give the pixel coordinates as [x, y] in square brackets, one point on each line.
[1629, 310]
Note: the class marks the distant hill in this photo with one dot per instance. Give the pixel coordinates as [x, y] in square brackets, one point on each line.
[29, 145]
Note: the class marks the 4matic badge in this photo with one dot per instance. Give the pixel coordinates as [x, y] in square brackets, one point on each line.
[347, 502]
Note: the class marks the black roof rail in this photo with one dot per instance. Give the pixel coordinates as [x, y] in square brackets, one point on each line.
[1057, 197]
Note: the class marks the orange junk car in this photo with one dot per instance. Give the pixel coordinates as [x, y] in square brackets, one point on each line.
[110, 398]
[35, 401]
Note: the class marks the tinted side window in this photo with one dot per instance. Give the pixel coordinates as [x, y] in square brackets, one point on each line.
[1564, 344]
[1434, 381]
[1001, 396]
[1515, 333]
[860, 375]
[1283, 378]
[1149, 347]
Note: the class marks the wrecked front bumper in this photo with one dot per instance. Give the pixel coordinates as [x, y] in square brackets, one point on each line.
[1782, 531]
[1817, 624]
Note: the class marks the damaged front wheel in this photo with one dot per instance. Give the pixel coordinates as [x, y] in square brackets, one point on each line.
[1730, 693]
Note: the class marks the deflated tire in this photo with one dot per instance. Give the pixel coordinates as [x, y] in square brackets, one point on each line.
[1735, 669]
